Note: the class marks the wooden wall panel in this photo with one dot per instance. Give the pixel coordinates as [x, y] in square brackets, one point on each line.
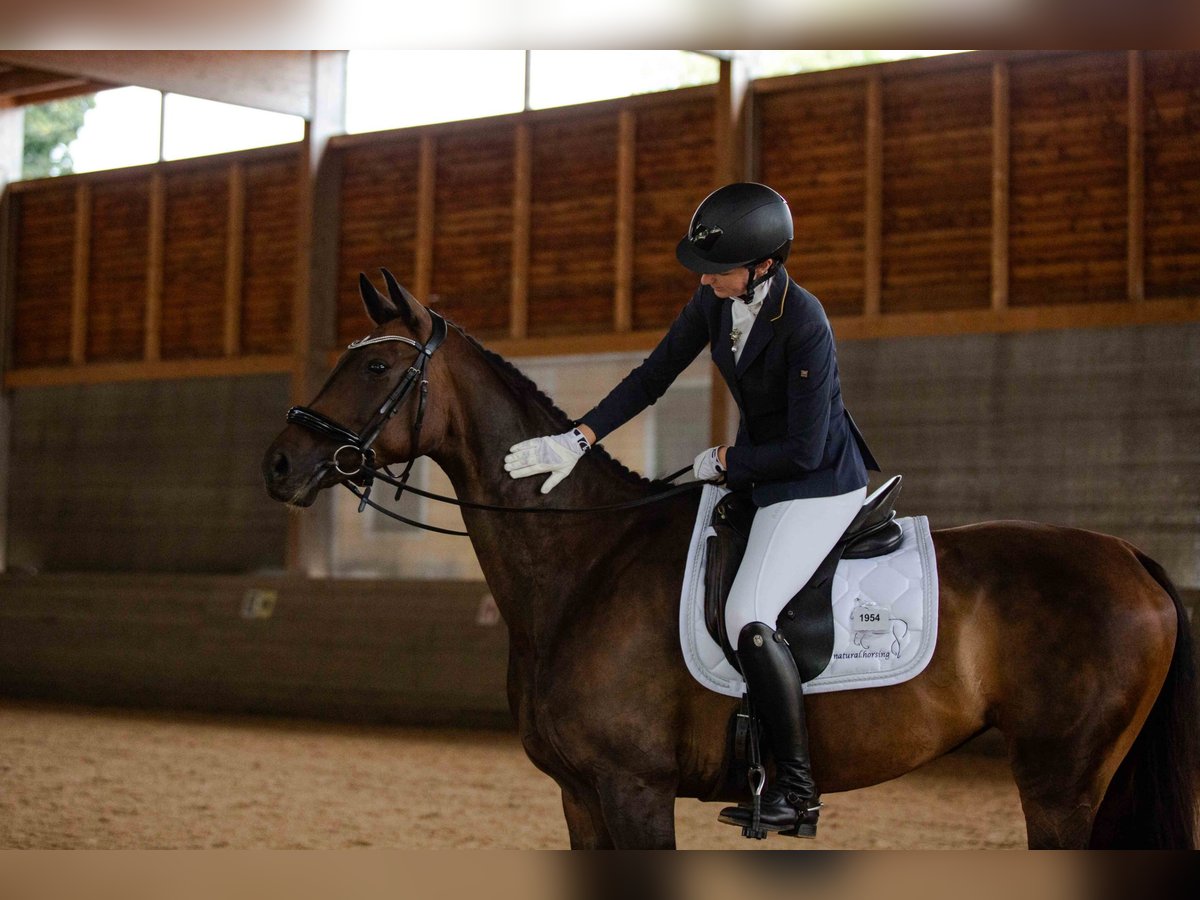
[937, 191]
[44, 277]
[378, 224]
[271, 248]
[193, 298]
[673, 172]
[573, 235]
[1069, 180]
[117, 273]
[812, 150]
[473, 227]
[1172, 85]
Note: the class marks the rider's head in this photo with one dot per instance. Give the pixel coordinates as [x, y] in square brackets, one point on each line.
[738, 226]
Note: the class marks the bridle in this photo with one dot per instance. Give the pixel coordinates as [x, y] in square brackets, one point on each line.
[360, 442]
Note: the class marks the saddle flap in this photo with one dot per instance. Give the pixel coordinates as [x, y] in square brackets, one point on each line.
[736, 510]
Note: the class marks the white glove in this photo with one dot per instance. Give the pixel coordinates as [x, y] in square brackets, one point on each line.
[554, 453]
[707, 466]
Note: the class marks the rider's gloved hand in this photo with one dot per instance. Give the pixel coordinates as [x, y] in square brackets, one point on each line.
[554, 453]
[707, 466]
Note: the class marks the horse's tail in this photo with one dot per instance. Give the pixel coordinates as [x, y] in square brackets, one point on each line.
[1151, 802]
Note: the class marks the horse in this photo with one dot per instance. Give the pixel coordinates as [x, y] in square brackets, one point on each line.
[1073, 644]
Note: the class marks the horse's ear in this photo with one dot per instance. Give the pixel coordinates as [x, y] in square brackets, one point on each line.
[379, 307]
[415, 315]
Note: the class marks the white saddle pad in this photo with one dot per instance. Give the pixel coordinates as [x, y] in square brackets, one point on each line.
[884, 614]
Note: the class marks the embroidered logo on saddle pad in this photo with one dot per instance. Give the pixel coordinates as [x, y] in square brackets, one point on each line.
[884, 614]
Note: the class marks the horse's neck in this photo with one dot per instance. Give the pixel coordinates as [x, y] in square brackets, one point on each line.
[534, 563]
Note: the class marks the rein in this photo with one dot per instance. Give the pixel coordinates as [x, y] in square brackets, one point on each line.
[360, 444]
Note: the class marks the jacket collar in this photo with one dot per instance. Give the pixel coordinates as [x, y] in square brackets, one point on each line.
[764, 329]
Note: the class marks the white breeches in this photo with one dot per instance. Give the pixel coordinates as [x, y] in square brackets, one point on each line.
[787, 542]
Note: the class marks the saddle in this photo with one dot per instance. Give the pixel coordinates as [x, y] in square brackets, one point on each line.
[807, 620]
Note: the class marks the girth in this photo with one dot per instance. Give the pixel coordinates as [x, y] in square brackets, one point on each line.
[807, 620]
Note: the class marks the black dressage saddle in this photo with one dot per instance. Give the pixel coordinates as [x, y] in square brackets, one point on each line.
[807, 620]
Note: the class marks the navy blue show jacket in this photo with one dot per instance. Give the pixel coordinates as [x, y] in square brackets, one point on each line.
[795, 438]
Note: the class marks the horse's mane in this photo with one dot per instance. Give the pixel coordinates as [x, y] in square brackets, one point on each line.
[526, 388]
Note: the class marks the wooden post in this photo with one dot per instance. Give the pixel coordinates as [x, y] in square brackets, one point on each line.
[12, 142]
[234, 258]
[154, 268]
[518, 300]
[626, 161]
[873, 236]
[731, 120]
[79, 292]
[1001, 139]
[1137, 178]
[310, 536]
[732, 164]
[426, 210]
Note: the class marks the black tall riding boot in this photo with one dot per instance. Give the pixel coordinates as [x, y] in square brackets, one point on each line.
[791, 803]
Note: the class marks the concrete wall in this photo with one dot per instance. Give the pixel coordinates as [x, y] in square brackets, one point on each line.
[378, 651]
[149, 476]
[1098, 429]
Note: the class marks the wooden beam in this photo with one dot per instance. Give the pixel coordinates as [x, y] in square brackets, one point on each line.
[426, 210]
[15, 82]
[1019, 318]
[518, 299]
[152, 344]
[1137, 178]
[235, 252]
[82, 258]
[107, 373]
[873, 237]
[278, 80]
[74, 89]
[898, 325]
[626, 187]
[1001, 162]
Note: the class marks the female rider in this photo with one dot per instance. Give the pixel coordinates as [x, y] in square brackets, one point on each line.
[797, 451]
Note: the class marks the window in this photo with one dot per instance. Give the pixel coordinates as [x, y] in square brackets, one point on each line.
[402, 88]
[122, 129]
[563, 77]
[134, 126]
[195, 127]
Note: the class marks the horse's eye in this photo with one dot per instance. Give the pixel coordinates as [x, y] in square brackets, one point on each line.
[377, 367]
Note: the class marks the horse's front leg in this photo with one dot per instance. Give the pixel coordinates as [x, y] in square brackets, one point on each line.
[585, 820]
[640, 815]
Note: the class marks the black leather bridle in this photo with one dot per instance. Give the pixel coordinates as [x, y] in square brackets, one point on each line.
[360, 442]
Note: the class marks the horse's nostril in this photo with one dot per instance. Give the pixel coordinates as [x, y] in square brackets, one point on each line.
[280, 465]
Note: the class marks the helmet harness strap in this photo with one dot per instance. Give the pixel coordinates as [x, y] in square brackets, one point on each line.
[752, 282]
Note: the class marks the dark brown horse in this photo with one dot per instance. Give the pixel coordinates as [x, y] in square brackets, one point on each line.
[1073, 644]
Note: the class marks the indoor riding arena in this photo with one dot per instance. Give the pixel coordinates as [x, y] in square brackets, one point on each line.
[1007, 248]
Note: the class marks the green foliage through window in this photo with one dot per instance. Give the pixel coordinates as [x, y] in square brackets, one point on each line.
[49, 130]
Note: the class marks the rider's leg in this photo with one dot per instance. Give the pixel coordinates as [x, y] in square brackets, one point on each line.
[787, 542]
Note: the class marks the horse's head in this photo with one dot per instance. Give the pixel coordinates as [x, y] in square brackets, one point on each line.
[374, 407]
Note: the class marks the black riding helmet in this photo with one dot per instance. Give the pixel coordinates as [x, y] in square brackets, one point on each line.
[740, 224]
